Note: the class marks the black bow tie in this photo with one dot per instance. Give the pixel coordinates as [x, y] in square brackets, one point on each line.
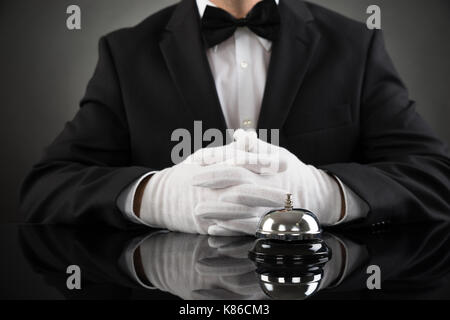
[218, 25]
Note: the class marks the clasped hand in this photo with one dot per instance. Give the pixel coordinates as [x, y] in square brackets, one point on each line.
[224, 191]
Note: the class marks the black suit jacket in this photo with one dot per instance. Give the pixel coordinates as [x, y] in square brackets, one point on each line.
[331, 89]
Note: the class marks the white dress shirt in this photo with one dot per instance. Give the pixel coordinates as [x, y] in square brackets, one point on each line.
[239, 66]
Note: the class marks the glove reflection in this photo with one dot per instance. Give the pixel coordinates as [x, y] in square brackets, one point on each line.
[205, 267]
[200, 267]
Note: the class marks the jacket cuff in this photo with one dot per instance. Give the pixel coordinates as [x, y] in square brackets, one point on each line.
[125, 200]
[355, 207]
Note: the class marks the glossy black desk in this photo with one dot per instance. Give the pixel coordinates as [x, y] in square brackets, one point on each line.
[414, 262]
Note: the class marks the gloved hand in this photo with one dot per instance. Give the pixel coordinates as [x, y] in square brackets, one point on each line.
[312, 188]
[172, 201]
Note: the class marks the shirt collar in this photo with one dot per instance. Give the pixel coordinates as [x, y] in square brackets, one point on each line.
[202, 4]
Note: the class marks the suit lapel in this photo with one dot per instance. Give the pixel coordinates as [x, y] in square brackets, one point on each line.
[185, 56]
[291, 56]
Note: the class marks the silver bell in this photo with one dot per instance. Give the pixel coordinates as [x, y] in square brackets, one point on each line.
[289, 224]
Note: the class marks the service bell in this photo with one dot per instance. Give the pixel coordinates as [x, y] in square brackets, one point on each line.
[289, 224]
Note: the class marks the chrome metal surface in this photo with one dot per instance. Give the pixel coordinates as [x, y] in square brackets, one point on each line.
[289, 224]
[295, 224]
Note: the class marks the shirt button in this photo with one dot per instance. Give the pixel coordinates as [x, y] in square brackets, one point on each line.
[244, 64]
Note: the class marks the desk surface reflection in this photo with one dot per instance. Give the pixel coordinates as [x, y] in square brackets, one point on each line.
[414, 262]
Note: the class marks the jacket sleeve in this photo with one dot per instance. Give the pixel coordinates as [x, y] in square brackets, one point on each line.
[404, 170]
[84, 170]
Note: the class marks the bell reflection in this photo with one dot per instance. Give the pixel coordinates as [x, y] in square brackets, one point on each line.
[289, 271]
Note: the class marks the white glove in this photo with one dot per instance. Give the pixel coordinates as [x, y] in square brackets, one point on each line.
[172, 201]
[312, 188]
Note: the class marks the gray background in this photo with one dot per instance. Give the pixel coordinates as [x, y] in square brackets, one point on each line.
[44, 68]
